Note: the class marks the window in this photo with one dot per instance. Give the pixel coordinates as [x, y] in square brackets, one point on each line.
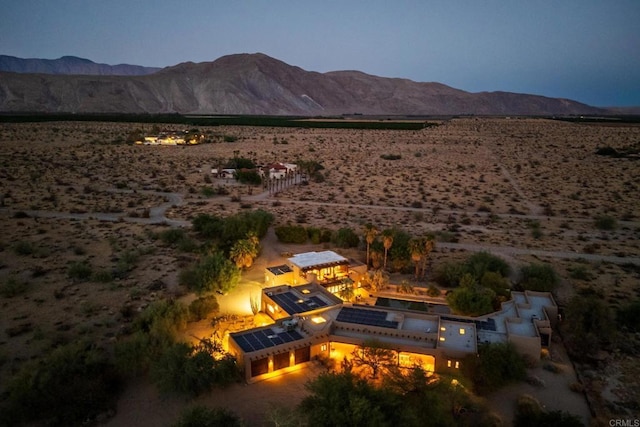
[448, 363]
[323, 347]
[457, 365]
[462, 331]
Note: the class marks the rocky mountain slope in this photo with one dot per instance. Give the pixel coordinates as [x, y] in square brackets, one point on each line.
[70, 65]
[259, 84]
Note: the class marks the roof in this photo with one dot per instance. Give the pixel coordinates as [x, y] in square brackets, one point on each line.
[279, 269]
[293, 304]
[255, 340]
[317, 259]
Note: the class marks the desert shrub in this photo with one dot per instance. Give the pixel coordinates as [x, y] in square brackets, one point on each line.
[162, 320]
[230, 138]
[207, 191]
[606, 222]
[201, 416]
[73, 384]
[201, 307]
[390, 156]
[172, 236]
[433, 291]
[291, 234]
[102, 276]
[12, 287]
[497, 365]
[628, 315]
[539, 277]
[529, 413]
[580, 272]
[79, 271]
[346, 238]
[23, 248]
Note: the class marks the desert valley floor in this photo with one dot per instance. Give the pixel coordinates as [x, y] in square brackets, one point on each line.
[525, 189]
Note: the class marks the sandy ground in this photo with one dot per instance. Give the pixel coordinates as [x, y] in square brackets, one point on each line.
[72, 192]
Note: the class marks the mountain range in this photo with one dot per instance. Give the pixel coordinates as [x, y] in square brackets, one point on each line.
[245, 84]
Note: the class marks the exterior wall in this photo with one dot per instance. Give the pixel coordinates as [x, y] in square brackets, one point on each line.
[529, 347]
[271, 279]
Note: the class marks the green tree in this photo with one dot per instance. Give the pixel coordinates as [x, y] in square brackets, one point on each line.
[250, 177]
[539, 277]
[201, 416]
[471, 299]
[496, 365]
[244, 251]
[346, 291]
[337, 400]
[481, 262]
[589, 324]
[212, 273]
[417, 250]
[370, 232]
[375, 355]
[387, 242]
[72, 384]
[346, 238]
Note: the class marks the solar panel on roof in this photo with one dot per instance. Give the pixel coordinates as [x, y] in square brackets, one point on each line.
[266, 338]
[366, 317]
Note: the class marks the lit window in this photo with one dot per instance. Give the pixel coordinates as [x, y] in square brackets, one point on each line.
[442, 339]
[306, 291]
[442, 328]
[457, 365]
[323, 347]
[318, 319]
[462, 331]
[448, 363]
[270, 308]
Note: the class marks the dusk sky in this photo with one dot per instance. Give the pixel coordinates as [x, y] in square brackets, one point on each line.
[586, 50]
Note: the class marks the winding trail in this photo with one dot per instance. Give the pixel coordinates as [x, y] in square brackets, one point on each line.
[157, 215]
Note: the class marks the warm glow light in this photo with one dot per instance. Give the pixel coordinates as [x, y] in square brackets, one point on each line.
[300, 301]
[442, 338]
[318, 319]
[442, 328]
[462, 331]
[306, 291]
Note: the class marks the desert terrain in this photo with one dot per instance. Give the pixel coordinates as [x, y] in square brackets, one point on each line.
[78, 194]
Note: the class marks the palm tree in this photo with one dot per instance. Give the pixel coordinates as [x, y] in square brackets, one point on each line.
[370, 233]
[244, 251]
[387, 241]
[346, 291]
[416, 248]
[429, 244]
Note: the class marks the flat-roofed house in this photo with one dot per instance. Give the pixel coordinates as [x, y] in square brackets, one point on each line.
[312, 322]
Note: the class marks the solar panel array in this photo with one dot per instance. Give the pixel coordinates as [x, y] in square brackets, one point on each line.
[264, 338]
[293, 304]
[366, 317]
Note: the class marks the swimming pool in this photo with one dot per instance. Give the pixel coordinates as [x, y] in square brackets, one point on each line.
[412, 305]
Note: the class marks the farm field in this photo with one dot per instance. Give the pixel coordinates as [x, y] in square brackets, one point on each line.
[77, 194]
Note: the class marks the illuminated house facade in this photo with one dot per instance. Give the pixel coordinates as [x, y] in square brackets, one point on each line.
[326, 268]
[311, 322]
